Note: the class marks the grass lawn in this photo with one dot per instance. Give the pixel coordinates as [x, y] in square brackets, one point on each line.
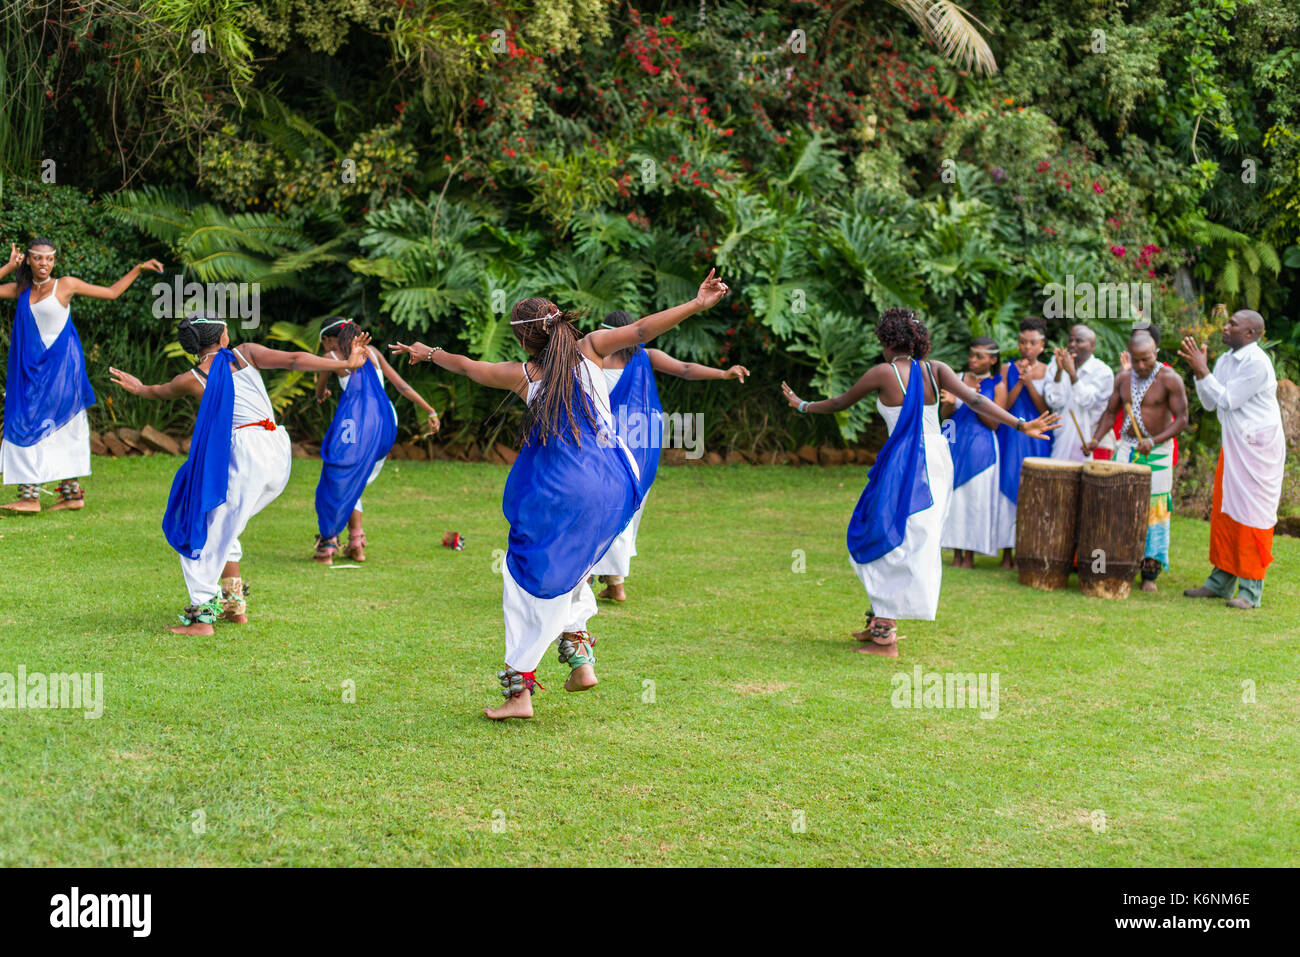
[1121, 737]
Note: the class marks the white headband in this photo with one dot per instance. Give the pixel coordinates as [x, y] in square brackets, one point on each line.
[553, 315]
[201, 321]
[337, 322]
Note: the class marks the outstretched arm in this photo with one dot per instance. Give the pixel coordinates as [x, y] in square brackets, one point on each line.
[605, 342]
[183, 385]
[405, 389]
[75, 287]
[265, 358]
[661, 361]
[983, 406]
[871, 381]
[496, 375]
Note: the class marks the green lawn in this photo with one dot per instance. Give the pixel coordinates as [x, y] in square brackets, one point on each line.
[759, 711]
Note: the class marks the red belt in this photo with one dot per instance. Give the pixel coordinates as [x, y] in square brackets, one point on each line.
[265, 423]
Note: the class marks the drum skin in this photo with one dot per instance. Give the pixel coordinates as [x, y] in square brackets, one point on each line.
[1046, 521]
[1113, 502]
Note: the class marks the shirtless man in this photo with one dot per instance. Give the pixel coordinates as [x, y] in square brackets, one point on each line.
[1158, 399]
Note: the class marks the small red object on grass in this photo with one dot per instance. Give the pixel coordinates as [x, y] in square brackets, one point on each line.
[454, 540]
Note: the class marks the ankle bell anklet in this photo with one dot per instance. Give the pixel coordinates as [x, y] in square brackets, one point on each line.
[514, 682]
[577, 649]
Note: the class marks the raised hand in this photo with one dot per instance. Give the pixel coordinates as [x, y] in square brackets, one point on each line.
[711, 290]
[737, 372]
[15, 255]
[1197, 356]
[1125, 361]
[415, 351]
[359, 354]
[127, 381]
[1044, 423]
[152, 265]
[790, 396]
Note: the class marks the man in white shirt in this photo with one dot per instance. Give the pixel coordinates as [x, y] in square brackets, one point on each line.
[1242, 391]
[1077, 382]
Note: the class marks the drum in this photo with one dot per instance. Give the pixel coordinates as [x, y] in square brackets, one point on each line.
[1113, 504]
[1046, 521]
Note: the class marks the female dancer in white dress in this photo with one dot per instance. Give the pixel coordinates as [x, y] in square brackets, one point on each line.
[256, 449]
[64, 452]
[895, 531]
[336, 337]
[614, 567]
[571, 491]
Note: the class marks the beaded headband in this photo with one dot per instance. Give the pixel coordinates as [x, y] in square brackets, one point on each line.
[553, 315]
[337, 322]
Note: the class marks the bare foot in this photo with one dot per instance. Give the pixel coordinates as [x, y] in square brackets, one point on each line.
[233, 619]
[614, 593]
[198, 628]
[23, 505]
[581, 678]
[520, 706]
[1149, 586]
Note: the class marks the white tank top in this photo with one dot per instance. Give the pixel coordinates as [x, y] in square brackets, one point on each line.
[593, 382]
[252, 404]
[50, 315]
[930, 413]
[345, 376]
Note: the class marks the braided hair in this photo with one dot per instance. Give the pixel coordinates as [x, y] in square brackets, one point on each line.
[195, 336]
[342, 329]
[23, 276]
[900, 330]
[550, 337]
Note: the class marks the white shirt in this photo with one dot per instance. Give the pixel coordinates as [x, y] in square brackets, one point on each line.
[1242, 391]
[1086, 398]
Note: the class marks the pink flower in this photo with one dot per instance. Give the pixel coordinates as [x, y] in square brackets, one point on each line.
[1044, 166]
[1119, 251]
[1096, 188]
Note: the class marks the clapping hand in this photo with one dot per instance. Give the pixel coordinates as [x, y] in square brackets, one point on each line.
[1197, 356]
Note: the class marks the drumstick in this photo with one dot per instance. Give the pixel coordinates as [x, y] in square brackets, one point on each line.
[1076, 427]
[1137, 431]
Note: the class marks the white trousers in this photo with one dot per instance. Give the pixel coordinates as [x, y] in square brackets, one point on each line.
[259, 471]
[63, 454]
[374, 474]
[618, 560]
[534, 624]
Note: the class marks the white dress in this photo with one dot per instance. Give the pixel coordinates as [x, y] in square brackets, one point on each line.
[904, 583]
[618, 560]
[65, 452]
[981, 519]
[259, 471]
[343, 384]
[533, 624]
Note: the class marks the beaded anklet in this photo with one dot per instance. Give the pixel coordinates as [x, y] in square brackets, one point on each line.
[204, 614]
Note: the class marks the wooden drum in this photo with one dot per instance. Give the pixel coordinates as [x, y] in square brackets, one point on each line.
[1113, 506]
[1046, 516]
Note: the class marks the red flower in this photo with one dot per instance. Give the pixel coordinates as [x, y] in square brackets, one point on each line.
[1044, 166]
[1096, 188]
[1119, 251]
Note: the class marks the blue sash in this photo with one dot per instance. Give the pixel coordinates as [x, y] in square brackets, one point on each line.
[44, 387]
[361, 433]
[566, 504]
[639, 415]
[973, 449]
[201, 483]
[1016, 446]
[897, 485]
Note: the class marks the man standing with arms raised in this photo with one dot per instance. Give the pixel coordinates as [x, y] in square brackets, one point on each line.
[1242, 391]
[1077, 383]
